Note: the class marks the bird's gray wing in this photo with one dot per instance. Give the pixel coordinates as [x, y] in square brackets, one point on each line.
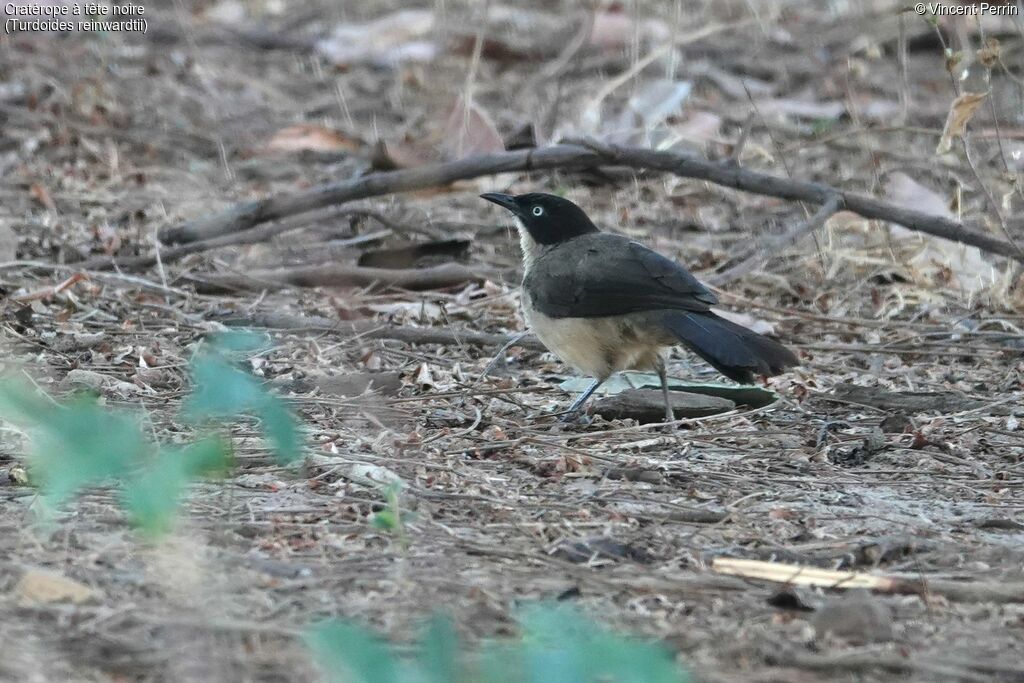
[601, 275]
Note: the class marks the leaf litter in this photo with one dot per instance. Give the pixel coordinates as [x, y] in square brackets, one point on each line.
[490, 485]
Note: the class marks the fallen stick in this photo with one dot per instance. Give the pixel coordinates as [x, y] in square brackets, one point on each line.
[248, 214]
[255, 235]
[50, 292]
[799, 575]
[587, 154]
[336, 275]
[730, 175]
[374, 329]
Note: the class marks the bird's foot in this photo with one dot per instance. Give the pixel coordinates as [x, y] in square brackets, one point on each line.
[576, 417]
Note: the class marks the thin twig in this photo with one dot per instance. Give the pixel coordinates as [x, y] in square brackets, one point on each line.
[771, 245]
[338, 275]
[737, 150]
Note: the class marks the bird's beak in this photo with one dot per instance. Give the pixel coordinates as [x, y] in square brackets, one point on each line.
[505, 200]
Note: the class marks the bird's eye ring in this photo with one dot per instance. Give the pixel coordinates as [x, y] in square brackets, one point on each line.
[538, 210]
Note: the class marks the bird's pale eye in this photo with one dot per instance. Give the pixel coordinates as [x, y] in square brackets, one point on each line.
[538, 211]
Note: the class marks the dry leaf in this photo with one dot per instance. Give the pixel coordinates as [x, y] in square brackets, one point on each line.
[108, 237]
[404, 153]
[657, 100]
[468, 131]
[42, 195]
[804, 109]
[613, 30]
[19, 475]
[960, 114]
[409, 310]
[41, 586]
[402, 36]
[969, 269]
[990, 54]
[306, 137]
[374, 474]
[700, 126]
[424, 377]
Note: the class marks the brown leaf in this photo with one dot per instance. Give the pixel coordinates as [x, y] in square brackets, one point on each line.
[615, 30]
[960, 113]
[990, 54]
[306, 137]
[700, 126]
[469, 130]
[404, 153]
[42, 195]
[41, 586]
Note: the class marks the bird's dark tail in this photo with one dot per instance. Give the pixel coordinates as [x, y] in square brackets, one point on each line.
[735, 351]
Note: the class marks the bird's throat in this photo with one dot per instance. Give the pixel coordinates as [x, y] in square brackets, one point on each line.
[529, 246]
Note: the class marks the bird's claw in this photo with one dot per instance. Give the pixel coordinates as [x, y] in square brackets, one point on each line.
[578, 417]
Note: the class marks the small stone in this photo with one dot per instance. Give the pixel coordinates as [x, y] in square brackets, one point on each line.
[42, 586]
[858, 618]
[83, 379]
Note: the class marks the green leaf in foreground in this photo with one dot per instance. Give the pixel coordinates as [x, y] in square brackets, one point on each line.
[152, 497]
[558, 645]
[439, 652]
[72, 446]
[351, 654]
[240, 341]
[563, 646]
[223, 391]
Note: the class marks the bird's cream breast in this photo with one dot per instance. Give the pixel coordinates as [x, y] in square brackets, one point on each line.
[595, 346]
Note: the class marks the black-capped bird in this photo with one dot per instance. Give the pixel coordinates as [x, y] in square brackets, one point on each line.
[604, 303]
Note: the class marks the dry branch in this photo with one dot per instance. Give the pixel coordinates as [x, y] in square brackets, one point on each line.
[246, 215]
[580, 155]
[336, 275]
[800, 575]
[730, 175]
[255, 235]
[374, 329]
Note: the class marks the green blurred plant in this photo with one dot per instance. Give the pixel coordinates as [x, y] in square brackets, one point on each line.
[83, 443]
[390, 518]
[223, 391]
[557, 645]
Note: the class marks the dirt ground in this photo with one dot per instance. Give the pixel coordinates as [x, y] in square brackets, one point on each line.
[916, 471]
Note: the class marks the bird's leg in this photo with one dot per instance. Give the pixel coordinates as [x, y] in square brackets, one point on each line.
[659, 366]
[570, 412]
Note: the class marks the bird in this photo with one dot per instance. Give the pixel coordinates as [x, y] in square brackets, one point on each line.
[604, 303]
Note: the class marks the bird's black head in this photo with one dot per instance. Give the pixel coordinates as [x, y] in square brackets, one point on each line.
[548, 219]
